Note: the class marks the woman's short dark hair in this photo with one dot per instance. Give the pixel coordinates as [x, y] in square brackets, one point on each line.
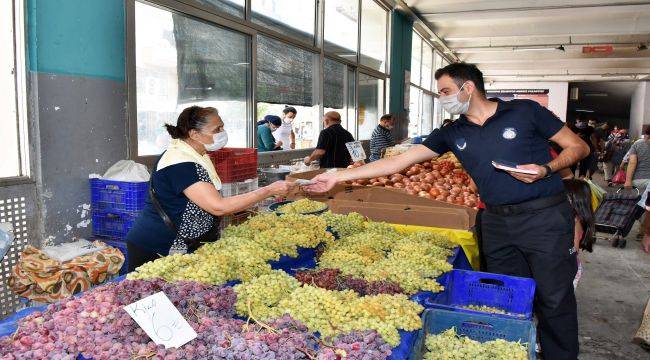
[192, 118]
[579, 194]
[462, 72]
[289, 109]
[273, 119]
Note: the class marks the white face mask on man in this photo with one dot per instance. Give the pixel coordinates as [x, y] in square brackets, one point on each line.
[219, 140]
[453, 105]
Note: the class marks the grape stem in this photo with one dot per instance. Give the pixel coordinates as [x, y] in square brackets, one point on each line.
[250, 315]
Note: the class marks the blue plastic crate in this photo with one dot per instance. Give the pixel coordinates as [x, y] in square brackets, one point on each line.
[120, 245]
[110, 195]
[306, 259]
[478, 327]
[113, 224]
[512, 294]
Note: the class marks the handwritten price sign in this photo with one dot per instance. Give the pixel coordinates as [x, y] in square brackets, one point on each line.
[160, 319]
[356, 151]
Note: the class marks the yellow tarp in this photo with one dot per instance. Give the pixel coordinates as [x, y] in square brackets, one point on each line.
[463, 238]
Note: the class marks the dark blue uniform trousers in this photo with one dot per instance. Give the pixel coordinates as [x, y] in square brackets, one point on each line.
[539, 244]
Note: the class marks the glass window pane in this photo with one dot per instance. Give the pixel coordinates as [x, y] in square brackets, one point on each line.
[341, 29]
[181, 62]
[437, 64]
[290, 17]
[373, 35]
[416, 59]
[352, 113]
[334, 88]
[10, 163]
[232, 7]
[414, 112]
[371, 104]
[287, 75]
[427, 114]
[437, 114]
[427, 64]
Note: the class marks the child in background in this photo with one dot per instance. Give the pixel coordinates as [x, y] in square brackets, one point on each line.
[579, 194]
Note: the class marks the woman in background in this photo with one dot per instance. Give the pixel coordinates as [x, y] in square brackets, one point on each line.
[285, 134]
[265, 130]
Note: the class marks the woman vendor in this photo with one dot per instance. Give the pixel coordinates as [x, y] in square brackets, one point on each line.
[182, 211]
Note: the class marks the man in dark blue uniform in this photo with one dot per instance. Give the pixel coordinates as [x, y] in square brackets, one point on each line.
[528, 224]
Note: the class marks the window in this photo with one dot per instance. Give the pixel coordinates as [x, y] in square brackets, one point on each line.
[181, 62]
[288, 75]
[290, 17]
[373, 35]
[13, 136]
[437, 114]
[415, 111]
[416, 59]
[437, 64]
[231, 7]
[371, 104]
[427, 65]
[338, 91]
[341, 28]
[427, 114]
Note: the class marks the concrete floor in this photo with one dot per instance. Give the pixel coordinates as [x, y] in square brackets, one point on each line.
[612, 294]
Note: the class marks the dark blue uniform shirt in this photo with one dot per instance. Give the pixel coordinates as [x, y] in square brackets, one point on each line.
[518, 132]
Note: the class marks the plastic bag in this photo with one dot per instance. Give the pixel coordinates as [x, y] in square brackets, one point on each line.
[619, 177]
[6, 238]
[597, 194]
[68, 251]
[127, 170]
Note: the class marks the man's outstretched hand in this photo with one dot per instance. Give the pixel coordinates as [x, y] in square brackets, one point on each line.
[322, 183]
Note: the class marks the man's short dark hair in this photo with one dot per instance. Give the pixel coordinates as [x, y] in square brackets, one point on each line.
[386, 117]
[462, 72]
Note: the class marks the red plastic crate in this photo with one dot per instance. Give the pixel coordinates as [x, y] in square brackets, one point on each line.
[235, 164]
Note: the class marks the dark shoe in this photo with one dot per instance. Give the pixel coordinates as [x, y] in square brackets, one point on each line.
[622, 244]
[615, 243]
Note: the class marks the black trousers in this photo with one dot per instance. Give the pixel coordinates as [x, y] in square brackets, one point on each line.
[539, 244]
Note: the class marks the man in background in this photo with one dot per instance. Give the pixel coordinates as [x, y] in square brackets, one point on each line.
[331, 149]
[381, 138]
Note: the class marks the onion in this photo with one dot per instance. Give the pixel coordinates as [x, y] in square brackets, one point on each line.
[417, 188]
[455, 190]
[423, 193]
[434, 192]
[399, 185]
[414, 178]
[440, 198]
[377, 183]
[411, 191]
[425, 187]
[429, 178]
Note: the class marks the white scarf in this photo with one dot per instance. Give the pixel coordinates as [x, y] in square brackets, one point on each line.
[179, 151]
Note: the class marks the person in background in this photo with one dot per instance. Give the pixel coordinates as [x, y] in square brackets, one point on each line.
[586, 133]
[381, 138]
[522, 211]
[265, 130]
[579, 194]
[331, 149]
[638, 167]
[183, 208]
[285, 134]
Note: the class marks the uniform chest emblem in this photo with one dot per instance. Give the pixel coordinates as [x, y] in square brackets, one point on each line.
[461, 144]
[509, 133]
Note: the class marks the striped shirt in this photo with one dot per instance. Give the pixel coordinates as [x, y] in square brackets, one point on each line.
[380, 140]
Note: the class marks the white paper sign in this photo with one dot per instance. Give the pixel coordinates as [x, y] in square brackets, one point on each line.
[356, 151]
[160, 319]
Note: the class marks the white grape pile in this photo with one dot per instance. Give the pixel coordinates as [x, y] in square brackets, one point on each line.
[345, 225]
[243, 252]
[484, 308]
[328, 312]
[449, 346]
[380, 253]
[302, 206]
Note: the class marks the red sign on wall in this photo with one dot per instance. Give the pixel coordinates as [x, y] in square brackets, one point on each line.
[606, 49]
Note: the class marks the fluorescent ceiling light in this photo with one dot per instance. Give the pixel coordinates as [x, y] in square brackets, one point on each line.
[583, 110]
[597, 94]
[538, 48]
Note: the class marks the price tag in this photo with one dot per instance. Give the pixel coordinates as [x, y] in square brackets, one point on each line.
[356, 151]
[160, 319]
